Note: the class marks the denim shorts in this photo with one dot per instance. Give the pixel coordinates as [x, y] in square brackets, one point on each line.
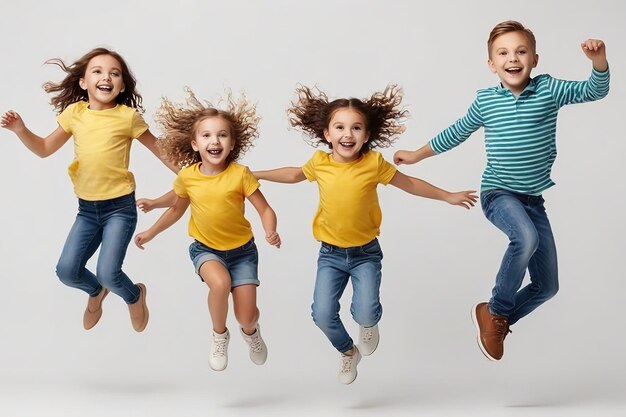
[242, 263]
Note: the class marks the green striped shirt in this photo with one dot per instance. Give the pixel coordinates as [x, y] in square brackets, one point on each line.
[520, 133]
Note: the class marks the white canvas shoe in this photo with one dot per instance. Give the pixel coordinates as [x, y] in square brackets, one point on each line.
[348, 372]
[218, 358]
[258, 349]
[368, 339]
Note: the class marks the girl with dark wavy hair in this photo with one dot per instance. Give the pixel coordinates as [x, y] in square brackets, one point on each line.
[97, 103]
[349, 216]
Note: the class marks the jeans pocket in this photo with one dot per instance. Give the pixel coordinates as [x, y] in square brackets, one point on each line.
[325, 249]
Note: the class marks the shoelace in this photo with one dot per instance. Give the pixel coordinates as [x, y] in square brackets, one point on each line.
[346, 363]
[220, 347]
[255, 342]
[367, 334]
[502, 328]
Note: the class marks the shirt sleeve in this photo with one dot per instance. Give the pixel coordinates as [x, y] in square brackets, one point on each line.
[573, 92]
[386, 171]
[64, 119]
[138, 125]
[459, 131]
[179, 185]
[309, 168]
[250, 183]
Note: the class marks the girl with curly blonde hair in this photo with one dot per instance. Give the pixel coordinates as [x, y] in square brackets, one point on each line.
[206, 142]
[348, 217]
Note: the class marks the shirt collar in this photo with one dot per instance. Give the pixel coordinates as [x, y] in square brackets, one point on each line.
[530, 88]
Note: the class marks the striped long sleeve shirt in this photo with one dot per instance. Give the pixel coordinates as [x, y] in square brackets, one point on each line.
[520, 133]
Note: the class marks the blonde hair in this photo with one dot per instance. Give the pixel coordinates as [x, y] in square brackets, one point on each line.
[507, 27]
[179, 122]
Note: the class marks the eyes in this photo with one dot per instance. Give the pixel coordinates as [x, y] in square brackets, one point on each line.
[113, 74]
[341, 127]
[520, 52]
[220, 135]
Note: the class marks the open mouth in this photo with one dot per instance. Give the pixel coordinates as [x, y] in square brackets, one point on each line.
[214, 152]
[347, 144]
[105, 88]
[513, 70]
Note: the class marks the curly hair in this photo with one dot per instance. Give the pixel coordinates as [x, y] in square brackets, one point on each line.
[180, 121]
[69, 91]
[507, 27]
[312, 113]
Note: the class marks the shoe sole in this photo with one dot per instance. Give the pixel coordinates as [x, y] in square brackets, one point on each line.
[480, 345]
[98, 311]
[144, 295]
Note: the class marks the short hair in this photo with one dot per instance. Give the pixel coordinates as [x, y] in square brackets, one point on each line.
[507, 27]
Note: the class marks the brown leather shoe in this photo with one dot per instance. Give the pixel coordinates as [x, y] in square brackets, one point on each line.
[139, 310]
[91, 318]
[491, 331]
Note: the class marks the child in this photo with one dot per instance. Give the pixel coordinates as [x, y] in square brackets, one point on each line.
[206, 143]
[348, 217]
[519, 117]
[97, 105]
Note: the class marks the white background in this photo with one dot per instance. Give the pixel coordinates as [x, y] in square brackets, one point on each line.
[567, 358]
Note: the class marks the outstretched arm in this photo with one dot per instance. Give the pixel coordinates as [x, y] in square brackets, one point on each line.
[171, 216]
[166, 200]
[268, 217]
[421, 188]
[287, 175]
[42, 147]
[595, 50]
[148, 140]
[411, 157]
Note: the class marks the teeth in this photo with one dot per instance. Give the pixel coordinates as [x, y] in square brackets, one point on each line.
[214, 151]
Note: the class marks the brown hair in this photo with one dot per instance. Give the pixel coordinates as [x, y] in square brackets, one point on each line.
[510, 26]
[312, 113]
[179, 123]
[69, 90]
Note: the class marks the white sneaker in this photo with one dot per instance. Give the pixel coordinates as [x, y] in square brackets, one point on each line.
[347, 372]
[258, 350]
[218, 358]
[368, 339]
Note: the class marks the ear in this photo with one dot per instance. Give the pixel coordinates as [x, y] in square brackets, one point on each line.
[326, 135]
[82, 84]
[123, 88]
[194, 145]
[491, 66]
[536, 61]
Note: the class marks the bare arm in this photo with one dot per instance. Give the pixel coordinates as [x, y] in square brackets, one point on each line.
[42, 147]
[166, 200]
[287, 175]
[411, 157]
[171, 216]
[148, 140]
[421, 188]
[268, 217]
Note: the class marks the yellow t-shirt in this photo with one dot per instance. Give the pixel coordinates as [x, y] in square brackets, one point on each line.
[348, 213]
[102, 140]
[217, 204]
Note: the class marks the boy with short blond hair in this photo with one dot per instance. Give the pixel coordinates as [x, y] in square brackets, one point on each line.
[519, 116]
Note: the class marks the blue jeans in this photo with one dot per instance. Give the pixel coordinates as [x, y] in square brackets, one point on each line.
[108, 224]
[335, 266]
[524, 220]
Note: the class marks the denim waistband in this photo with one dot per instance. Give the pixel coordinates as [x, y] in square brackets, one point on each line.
[367, 245]
[130, 197]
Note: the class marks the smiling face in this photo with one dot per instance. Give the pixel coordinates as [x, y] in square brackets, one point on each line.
[512, 57]
[102, 81]
[213, 140]
[347, 133]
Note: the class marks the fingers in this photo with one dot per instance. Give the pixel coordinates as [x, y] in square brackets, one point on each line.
[144, 205]
[273, 239]
[592, 45]
[139, 241]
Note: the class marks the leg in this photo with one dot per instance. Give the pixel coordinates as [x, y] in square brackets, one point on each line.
[216, 276]
[80, 245]
[543, 268]
[118, 226]
[366, 308]
[505, 210]
[244, 304]
[330, 283]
